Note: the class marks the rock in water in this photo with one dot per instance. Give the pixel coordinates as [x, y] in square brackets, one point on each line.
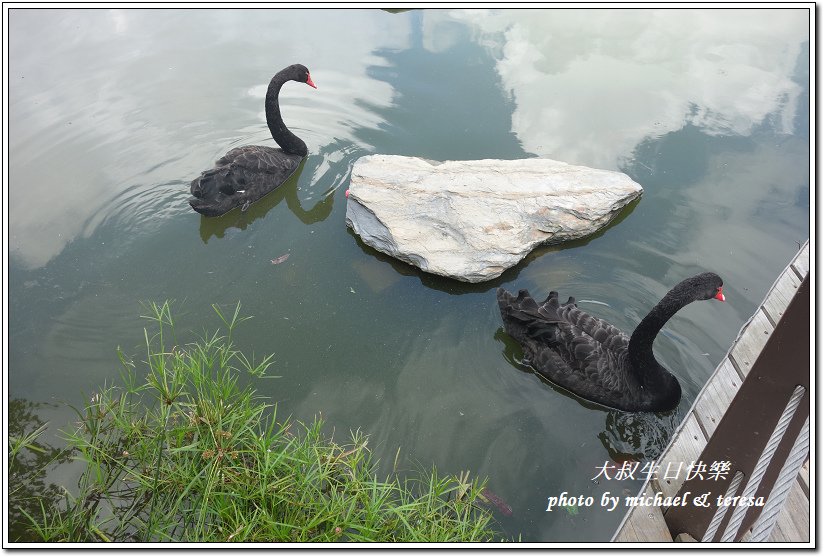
[472, 220]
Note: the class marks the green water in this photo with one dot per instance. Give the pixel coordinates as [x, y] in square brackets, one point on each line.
[113, 112]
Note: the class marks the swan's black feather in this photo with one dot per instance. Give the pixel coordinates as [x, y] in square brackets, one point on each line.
[566, 345]
[242, 176]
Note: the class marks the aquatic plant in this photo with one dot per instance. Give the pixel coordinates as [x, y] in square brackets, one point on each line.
[190, 455]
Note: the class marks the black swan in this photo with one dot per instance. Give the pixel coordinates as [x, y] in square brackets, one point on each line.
[245, 174]
[594, 360]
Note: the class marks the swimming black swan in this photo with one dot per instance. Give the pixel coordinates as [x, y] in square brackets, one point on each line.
[595, 360]
[245, 174]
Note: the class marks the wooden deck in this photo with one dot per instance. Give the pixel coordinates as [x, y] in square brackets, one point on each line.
[691, 439]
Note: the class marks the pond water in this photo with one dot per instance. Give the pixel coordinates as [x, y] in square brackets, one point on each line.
[113, 112]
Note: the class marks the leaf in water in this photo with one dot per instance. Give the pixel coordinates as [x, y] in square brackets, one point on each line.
[281, 259]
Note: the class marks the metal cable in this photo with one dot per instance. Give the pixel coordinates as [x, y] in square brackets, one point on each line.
[763, 463]
[769, 514]
[721, 512]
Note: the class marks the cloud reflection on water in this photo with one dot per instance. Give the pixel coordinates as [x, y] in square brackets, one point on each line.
[99, 98]
[723, 71]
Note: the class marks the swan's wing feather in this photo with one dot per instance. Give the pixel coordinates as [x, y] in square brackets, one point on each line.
[260, 159]
[524, 309]
[596, 377]
[601, 331]
[581, 353]
[574, 334]
[241, 177]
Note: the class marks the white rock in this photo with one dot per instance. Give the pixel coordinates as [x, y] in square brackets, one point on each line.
[472, 220]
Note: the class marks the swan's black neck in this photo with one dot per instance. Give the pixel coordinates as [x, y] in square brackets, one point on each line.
[640, 354]
[288, 141]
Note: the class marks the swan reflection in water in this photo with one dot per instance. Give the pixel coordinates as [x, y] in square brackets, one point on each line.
[320, 211]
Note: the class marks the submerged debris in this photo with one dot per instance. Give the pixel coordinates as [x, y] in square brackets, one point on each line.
[499, 503]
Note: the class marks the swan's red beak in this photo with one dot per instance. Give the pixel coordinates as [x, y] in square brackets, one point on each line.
[720, 295]
[310, 82]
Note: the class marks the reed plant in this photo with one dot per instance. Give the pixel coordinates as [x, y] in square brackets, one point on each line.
[190, 454]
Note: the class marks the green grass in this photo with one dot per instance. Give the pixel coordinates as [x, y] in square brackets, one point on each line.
[190, 455]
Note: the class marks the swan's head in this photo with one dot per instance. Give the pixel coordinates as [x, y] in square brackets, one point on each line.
[707, 286]
[300, 73]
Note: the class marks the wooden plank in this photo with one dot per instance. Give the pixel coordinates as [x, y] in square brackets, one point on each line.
[801, 264]
[715, 398]
[673, 464]
[749, 344]
[645, 524]
[781, 294]
[804, 477]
